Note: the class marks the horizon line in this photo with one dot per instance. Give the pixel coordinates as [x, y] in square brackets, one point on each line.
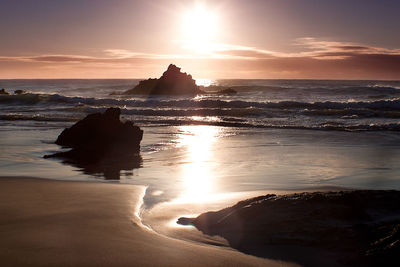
[300, 79]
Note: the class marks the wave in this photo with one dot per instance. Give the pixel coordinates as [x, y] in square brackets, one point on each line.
[33, 99]
[37, 117]
[254, 112]
[157, 120]
[321, 89]
[374, 115]
[237, 112]
[321, 127]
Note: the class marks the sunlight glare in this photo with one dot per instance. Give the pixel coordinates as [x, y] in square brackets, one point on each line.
[197, 175]
[203, 82]
[199, 27]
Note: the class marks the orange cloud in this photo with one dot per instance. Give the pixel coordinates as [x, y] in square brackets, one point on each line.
[318, 59]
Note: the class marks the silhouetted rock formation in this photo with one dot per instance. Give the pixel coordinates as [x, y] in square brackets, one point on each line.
[144, 87]
[19, 92]
[3, 92]
[356, 228]
[101, 141]
[172, 82]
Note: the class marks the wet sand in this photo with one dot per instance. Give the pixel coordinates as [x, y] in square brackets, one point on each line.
[57, 223]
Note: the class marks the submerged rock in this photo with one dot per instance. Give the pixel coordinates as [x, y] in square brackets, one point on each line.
[101, 142]
[227, 91]
[4, 92]
[172, 82]
[355, 228]
[218, 90]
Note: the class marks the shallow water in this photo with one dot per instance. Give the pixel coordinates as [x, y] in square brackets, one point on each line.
[195, 163]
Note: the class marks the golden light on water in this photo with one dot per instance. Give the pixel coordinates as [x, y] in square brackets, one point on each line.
[197, 171]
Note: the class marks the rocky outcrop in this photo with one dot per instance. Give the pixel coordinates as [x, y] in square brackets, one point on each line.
[19, 92]
[4, 92]
[172, 82]
[144, 87]
[355, 228]
[101, 141]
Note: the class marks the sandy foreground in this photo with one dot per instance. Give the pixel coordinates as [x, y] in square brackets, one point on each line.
[58, 223]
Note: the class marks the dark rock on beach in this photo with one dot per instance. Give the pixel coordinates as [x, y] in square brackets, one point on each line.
[346, 228]
[101, 143]
[4, 92]
[172, 82]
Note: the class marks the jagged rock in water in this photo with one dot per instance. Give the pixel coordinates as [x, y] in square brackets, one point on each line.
[101, 142]
[144, 87]
[346, 228]
[172, 82]
[4, 92]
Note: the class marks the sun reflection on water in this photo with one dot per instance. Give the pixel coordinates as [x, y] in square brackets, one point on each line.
[197, 170]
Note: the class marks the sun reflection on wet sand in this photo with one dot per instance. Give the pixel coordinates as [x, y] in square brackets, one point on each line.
[199, 181]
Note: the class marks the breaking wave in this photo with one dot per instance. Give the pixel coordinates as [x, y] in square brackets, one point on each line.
[34, 99]
[373, 115]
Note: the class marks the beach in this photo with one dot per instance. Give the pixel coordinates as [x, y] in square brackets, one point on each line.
[200, 133]
[58, 223]
[198, 154]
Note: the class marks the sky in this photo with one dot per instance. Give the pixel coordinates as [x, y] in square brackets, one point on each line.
[245, 39]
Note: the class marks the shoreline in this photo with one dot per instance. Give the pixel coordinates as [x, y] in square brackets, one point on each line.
[162, 218]
[60, 223]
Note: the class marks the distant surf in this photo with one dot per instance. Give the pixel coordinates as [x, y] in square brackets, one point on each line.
[319, 105]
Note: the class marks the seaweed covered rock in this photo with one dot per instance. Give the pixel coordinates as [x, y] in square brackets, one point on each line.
[101, 140]
[172, 82]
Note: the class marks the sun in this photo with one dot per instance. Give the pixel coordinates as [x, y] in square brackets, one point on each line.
[200, 27]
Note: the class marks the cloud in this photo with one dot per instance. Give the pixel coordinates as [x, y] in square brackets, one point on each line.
[51, 58]
[315, 58]
[312, 48]
[324, 49]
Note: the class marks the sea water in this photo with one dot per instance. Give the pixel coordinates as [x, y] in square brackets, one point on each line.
[271, 135]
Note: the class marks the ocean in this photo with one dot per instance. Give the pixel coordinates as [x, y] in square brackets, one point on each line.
[271, 135]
